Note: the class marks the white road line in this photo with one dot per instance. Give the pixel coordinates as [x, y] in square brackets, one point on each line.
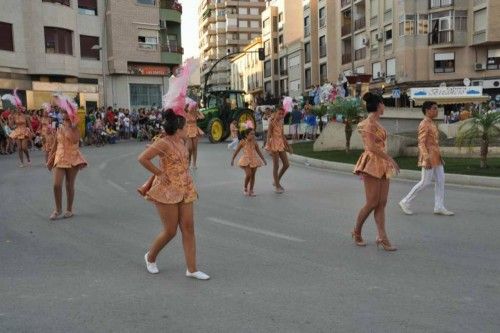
[256, 230]
[116, 186]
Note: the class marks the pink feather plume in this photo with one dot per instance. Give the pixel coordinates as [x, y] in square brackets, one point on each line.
[67, 104]
[175, 98]
[191, 103]
[287, 104]
[13, 99]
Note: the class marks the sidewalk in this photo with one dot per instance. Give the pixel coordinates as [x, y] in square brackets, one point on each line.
[451, 178]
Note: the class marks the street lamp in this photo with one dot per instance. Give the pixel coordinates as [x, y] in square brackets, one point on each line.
[99, 48]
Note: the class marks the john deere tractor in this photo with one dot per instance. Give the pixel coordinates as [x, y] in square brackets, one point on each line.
[222, 107]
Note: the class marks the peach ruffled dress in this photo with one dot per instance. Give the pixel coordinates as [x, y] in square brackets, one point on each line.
[175, 185]
[275, 136]
[192, 129]
[22, 131]
[67, 152]
[250, 158]
[374, 136]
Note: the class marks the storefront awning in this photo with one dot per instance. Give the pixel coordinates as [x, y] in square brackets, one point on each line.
[454, 100]
[449, 95]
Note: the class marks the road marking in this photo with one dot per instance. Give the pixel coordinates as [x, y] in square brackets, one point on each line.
[116, 186]
[256, 230]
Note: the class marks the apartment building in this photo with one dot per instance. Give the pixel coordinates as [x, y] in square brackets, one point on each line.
[47, 46]
[420, 43]
[143, 49]
[225, 26]
[282, 26]
[247, 71]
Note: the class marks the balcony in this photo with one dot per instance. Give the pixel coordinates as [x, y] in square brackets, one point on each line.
[360, 54]
[360, 23]
[345, 3]
[345, 30]
[171, 53]
[346, 58]
[441, 37]
[171, 4]
[433, 4]
[479, 37]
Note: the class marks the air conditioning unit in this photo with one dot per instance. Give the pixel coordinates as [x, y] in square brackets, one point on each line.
[379, 36]
[480, 67]
[365, 41]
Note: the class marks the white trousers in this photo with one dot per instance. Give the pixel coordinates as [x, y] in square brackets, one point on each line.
[234, 144]
[427, 175]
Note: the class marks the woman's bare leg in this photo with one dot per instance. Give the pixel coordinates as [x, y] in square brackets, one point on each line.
[252, 178]
[24, 147]
[284, 160]
[58, 174]
[20, 151]
[186, 224]
[70, 188]
[372, 193]
[169, 215]
[195, 151]
[379, 213]
[248, 176]
[276, 166]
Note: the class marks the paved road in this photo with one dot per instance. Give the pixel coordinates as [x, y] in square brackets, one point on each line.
[279, 263]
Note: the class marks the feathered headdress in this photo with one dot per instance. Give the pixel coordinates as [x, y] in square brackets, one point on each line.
[287, 104]
[175, 98]
[14, 100]
[67, 104]
[47, 107]
[191, 104]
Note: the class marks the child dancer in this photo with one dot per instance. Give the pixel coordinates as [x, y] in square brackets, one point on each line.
[249, 162]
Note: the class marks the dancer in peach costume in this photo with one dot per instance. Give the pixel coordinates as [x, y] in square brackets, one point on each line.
[376, 167]
[251, 160]
[193, 131]
[278, 146]
[173, 192]
[22, 133]
[48, 133]
[65, 159]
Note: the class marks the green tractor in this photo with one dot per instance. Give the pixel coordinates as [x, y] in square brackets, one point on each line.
[222, 107]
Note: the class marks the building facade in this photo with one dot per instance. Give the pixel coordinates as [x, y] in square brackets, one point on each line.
[247, 72]
[143, 49]
[281, 27]
[46, 46]
[225, 26]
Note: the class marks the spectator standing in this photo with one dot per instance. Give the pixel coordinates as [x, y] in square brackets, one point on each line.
[296, 118]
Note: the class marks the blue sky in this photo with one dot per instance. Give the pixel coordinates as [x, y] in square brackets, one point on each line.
[190, 28]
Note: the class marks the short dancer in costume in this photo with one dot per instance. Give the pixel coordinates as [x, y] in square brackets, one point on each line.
[251, 160]
[65, 159]
[48, 133]
[172, 191]
[278, 146]
[193, 131]
[429, 159]
[376, 167]
[22, 133]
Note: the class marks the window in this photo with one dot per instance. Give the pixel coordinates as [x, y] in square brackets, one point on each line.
[87, 7]
[267, 87]
[323, 73]
[376, 70]
[406, 25]
[243, 11]
[373, 8]
[280, 39]
[254, 11]
[322, 17]
[322, 46]
[254, 24]
[307, 26]
[461, 20]
[373, 39]
[493, 59]
[284, 87]
[145, 95]
[280, 17]
[440, 3]
[148, 39]
[147, 2]
[6, 38]
[283, 66]
[444, 62]
[275, 45]
[267, 47]
[62, 2]
[267, 68]
[307, 52]
[86, 44]
[390, 67]
[243, 24]
[388, 35]
[276, 67]
[423, 24]
[308, 78]
[58, 40]
[265, 23]
[480, 20]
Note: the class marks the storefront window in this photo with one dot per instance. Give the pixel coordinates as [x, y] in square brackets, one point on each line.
[145, 95]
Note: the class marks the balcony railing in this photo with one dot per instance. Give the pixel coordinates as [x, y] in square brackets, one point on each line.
[344, 3]
[345, 30]
[440, 3]
[307, 31]
[360, 54]
[346, 58]
[172, 49]
[360, 23]
[441, 37]
[171, 4]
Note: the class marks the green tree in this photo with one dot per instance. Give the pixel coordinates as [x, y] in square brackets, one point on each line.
[351, 111]
[320, 111]
[482, 127]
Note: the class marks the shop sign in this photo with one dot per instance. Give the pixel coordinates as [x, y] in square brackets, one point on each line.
[139, 69]
[446, 92]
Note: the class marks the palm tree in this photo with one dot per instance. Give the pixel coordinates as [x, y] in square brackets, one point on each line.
[482, 126]
[352, 113]
[320, 111]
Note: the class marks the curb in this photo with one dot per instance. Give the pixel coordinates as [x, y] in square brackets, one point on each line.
[451, 178]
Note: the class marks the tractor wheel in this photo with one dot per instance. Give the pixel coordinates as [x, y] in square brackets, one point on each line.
[215, 130]
[243, 116]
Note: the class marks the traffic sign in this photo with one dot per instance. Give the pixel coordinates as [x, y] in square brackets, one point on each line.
[396, 93]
